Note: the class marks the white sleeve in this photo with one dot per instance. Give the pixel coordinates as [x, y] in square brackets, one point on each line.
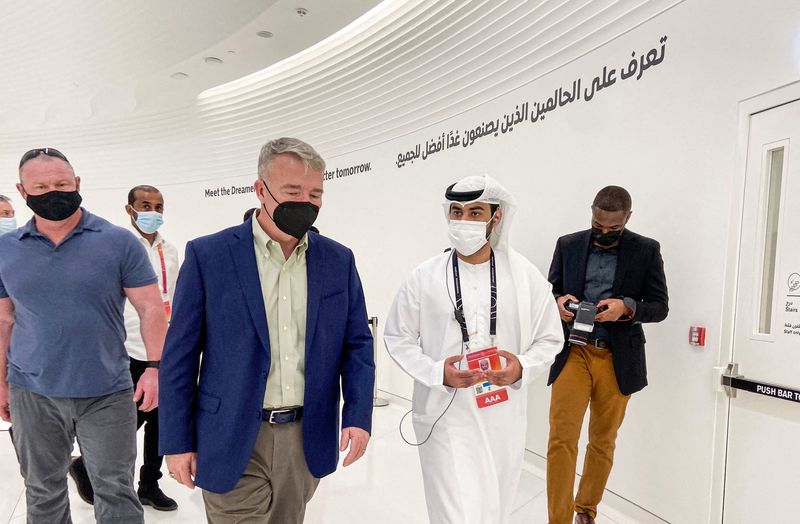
[548, 340]
[173, 267]
[401, 336]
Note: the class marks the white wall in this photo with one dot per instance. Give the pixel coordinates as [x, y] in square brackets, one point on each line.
[670, 138]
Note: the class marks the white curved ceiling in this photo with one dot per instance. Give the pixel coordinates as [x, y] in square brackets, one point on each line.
[407, 65]
[83, 61]
[402, 66]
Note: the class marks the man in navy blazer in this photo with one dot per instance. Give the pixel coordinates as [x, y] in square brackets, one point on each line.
[268, 319]
[622, 273]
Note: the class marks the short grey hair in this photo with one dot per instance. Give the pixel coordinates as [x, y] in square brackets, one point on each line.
[4, 198]
[293, 146]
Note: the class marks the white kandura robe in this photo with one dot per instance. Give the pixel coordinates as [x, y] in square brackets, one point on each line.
[472, 462]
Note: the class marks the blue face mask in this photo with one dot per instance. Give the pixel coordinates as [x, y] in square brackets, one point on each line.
[149, 221]
[7, 224]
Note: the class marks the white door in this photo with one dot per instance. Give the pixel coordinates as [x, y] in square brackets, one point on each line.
[762, 479]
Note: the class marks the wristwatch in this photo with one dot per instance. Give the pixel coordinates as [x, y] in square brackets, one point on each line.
[153, 364]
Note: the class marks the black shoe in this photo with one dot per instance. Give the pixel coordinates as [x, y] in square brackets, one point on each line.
[77, 470]
[153, 496]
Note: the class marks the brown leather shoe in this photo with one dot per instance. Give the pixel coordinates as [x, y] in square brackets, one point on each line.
[583, 518]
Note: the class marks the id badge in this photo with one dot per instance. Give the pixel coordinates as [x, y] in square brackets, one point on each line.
[486, 393]
[168, 310]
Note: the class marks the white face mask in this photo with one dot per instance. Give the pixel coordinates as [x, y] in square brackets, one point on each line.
[7, 224]
[467, 236]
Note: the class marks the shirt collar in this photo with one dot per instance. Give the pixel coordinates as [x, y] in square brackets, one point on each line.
[267, 246]
[605, 250]
[88, 222]
[159, 239]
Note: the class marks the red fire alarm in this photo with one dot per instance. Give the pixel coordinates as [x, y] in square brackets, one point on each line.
[697, 336]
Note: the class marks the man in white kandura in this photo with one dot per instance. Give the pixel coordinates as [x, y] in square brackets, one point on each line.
[469, 409]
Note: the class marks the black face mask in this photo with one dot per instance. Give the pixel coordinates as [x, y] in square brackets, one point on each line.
[605, 239]
[55, 205]
[293, 218]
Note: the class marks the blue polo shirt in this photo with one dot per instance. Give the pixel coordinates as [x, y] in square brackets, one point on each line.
[68, 338]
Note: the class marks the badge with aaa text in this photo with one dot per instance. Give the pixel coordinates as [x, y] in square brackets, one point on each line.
[486, 393]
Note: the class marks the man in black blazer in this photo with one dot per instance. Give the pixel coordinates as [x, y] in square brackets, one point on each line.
[622, 273]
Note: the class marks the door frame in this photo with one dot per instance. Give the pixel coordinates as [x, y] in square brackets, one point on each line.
[747, 109]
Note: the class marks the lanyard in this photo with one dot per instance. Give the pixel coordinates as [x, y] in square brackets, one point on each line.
[462, 322]
[163, 268]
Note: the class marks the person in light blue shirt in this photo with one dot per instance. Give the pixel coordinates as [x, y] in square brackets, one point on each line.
[8, 220]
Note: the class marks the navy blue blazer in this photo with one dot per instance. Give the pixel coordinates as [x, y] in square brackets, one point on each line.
[216, 359]
[639, 275]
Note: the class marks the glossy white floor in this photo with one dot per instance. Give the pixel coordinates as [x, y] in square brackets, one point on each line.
[385, 486]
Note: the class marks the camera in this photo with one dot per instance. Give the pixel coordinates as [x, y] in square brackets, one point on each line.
[583, 325]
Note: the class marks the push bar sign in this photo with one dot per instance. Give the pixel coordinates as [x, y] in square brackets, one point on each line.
[768, 390]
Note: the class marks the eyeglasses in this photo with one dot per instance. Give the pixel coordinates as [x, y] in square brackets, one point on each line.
[48, 151]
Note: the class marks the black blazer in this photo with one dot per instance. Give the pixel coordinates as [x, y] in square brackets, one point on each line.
[639, 275]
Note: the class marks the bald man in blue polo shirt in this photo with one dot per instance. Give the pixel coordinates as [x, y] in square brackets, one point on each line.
[64, 277]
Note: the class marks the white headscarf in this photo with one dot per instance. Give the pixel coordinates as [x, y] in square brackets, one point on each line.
[487, 190]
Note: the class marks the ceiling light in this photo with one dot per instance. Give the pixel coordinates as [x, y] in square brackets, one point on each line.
[179, 75]
[301, 11]
[212, 60]
[265, 34]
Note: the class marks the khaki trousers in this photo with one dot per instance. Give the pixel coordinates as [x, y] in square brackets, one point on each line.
[587, 380]
[275, 486]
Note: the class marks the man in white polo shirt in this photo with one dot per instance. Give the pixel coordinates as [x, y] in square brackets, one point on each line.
[145, 208]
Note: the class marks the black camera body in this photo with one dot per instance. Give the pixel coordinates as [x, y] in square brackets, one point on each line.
[583, 323]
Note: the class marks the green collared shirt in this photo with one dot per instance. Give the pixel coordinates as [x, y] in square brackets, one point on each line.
[284, 286]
